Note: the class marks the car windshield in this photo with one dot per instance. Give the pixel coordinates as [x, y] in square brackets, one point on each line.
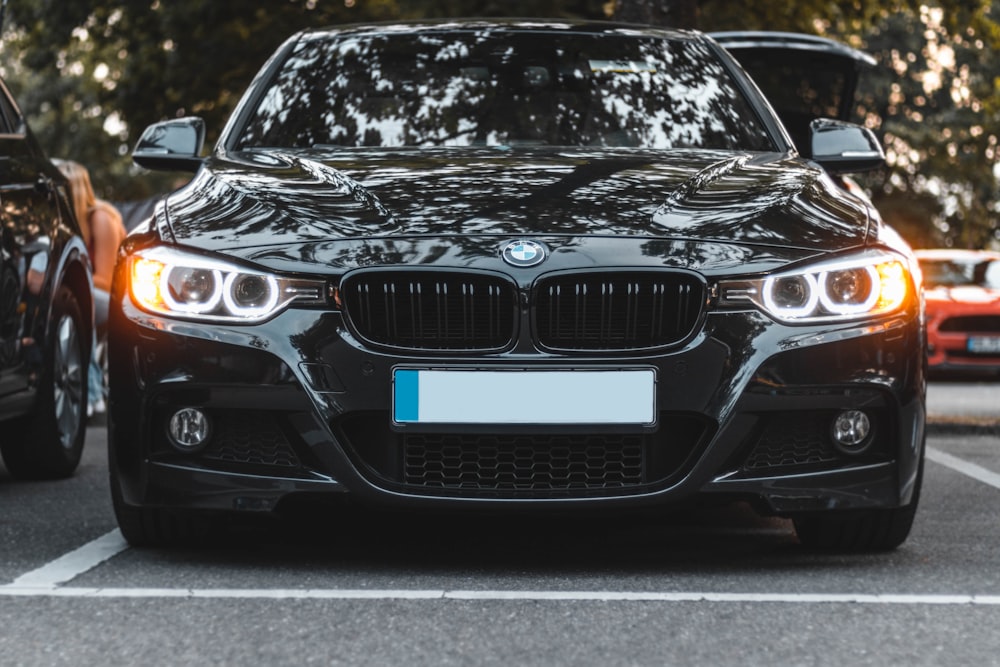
[503, 88]
[956, 273]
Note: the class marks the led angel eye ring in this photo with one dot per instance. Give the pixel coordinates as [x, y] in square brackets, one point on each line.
[846, 308]
[786, 312]
[250, 311]
[190, 307]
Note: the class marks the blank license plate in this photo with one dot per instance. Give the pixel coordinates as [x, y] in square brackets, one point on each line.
[524, 397]
[984, 344]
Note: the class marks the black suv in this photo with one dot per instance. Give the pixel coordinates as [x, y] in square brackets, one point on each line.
[46, 310]
[804, 77]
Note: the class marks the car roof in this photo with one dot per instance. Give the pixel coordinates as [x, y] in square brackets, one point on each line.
[514, 24]
[956, 254]
[792, 41]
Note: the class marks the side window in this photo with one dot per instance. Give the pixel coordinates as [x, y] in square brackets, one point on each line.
[9, 117]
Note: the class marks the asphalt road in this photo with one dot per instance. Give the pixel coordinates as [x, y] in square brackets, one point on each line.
[964, 403]
[719, 587]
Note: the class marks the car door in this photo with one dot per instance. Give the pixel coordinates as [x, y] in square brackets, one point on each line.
[28, 216]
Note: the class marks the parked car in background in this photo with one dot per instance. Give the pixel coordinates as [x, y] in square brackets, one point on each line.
[46, 311]
[514, 266]
[804, 77]
[962, 290]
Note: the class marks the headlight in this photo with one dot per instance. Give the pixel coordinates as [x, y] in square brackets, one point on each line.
[864, 285]
[185, 285]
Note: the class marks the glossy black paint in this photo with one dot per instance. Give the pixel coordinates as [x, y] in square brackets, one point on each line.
[305, 379]
[37, 231]
[247, 200]
[180, 139]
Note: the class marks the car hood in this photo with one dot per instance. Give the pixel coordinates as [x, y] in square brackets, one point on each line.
[964, 294]
[249, 204]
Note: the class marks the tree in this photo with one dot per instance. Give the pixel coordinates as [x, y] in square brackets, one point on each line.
[933, 98]
[101, 71]
[674, 13]
[92, 75]
[936, 105]
[87, 69]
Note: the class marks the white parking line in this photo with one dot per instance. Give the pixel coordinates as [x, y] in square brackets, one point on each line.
[966, 468]
[501, 596]
[47, 580]
[73, 564]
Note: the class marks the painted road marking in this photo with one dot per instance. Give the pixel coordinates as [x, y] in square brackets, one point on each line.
[500, 596]
[47, 580]
[965, 467]
[73, 564]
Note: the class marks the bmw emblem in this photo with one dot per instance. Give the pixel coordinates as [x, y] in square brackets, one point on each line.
[523, 253]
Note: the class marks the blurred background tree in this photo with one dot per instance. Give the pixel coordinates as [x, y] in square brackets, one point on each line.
[90, 76]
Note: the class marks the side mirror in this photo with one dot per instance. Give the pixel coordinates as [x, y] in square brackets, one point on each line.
[172, 145]
[843, 148]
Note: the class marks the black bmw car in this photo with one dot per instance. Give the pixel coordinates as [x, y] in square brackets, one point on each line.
[514, 266]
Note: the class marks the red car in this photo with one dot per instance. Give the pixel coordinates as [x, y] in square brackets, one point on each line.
[962, 289]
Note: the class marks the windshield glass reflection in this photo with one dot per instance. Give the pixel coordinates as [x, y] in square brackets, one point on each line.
[483, 88]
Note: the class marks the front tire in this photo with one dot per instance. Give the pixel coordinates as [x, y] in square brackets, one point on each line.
[154, 527]
[861, 530]
[865, 531]
[47, 442]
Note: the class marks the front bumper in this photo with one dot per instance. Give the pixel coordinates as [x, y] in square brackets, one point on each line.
[949, 353]
[301, 408]
[950, 326]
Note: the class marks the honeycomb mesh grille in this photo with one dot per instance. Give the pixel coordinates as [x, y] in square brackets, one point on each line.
[528, 463]
[792, 443]
[250, 439]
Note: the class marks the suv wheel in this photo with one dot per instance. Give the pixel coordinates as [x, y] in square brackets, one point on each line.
[47, 442]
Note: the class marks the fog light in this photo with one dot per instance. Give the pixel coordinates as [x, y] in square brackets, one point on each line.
[189, 429]
[851, 429]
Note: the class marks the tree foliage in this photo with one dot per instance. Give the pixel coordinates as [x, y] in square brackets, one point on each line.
[933, 98]
[92, 75]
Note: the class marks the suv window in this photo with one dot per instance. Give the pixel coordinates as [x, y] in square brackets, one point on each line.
[9, 116]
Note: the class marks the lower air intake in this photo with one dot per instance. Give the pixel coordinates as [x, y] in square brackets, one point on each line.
[524, 463]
